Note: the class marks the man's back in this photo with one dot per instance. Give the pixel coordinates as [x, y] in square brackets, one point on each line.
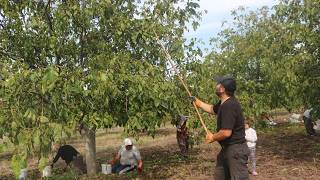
[66, 152]
[230, 117]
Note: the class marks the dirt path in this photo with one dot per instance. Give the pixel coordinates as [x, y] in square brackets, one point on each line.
[283, 152]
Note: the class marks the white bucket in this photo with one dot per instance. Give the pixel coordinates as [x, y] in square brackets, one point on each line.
[23, 174]
[109, 168]
[106, 168]
[46, 172]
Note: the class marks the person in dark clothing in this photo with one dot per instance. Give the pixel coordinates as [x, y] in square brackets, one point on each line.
[233, 157]
[182, 135]
[67, 153]
[309, 123]
[70, 155]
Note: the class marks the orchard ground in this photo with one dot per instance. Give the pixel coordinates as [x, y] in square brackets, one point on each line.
[283, 152]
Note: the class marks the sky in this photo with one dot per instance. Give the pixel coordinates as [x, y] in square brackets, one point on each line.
[219, 11]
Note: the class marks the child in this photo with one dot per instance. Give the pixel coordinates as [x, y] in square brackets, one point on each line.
[182, 135]
[251, 137]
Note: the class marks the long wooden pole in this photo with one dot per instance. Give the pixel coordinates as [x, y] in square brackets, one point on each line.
[182, 81]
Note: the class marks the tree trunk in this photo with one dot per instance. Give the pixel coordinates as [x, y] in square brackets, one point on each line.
[90, 138]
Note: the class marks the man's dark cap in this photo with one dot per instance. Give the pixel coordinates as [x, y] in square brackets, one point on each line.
[227, 81]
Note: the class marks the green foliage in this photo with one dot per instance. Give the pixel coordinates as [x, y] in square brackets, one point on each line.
[317, 147]
[5, 146]
[18, 162]
[97, 63]
[261, 124]
[274, 56]
[69, 175]
[43, 163]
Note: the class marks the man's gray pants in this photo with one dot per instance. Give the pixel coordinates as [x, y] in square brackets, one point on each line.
[232, 163]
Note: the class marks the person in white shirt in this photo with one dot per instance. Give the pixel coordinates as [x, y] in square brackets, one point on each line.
[251, 138]
[128, 158]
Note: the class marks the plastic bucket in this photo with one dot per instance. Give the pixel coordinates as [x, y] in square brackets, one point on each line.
[23, 174]
[109, 168]
[46, 172]
[104, 168]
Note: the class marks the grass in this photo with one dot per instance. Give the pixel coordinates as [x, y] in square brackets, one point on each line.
[283, 152]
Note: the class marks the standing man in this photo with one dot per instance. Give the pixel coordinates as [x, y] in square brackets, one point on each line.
[232, 159]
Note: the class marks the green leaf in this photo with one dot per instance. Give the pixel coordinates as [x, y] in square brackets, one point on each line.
[43, 163]
[43, 119]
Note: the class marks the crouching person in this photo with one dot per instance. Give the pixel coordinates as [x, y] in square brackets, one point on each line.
[71, 157]
[127, 159]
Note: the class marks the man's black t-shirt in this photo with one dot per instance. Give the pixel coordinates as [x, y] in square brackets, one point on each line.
[229, 116]
[67, 153]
